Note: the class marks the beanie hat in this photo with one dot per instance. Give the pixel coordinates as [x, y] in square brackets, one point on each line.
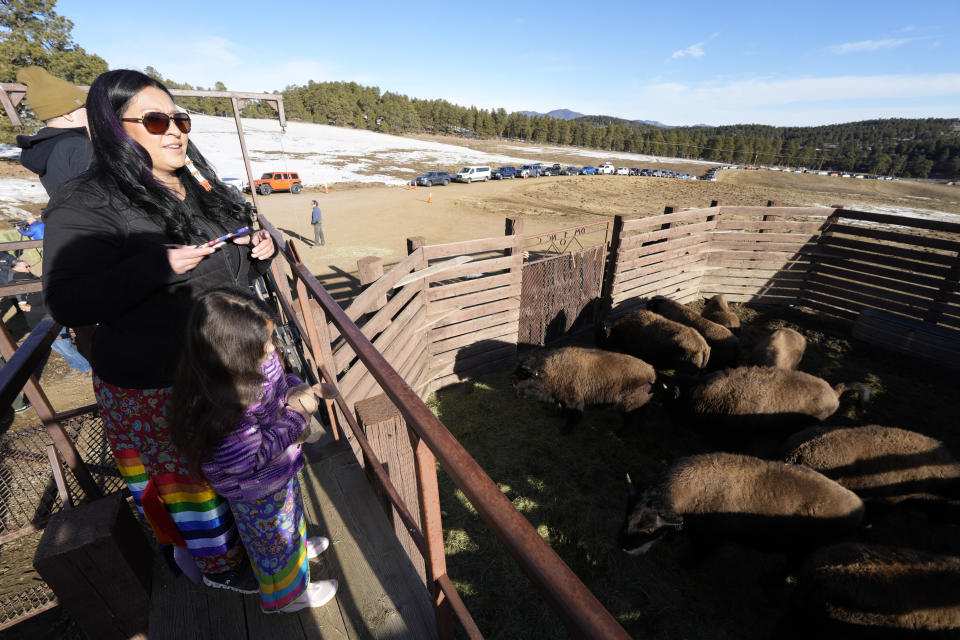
[48, 96]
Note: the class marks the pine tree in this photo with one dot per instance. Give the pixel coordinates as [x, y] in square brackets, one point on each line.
[32, 33]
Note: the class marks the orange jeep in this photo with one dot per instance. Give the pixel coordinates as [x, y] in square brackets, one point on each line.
[277, 181]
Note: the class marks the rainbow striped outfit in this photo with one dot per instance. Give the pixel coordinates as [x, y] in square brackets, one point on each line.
[136, 428]
[255, 469]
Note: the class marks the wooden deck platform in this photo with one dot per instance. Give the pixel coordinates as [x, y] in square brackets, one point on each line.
[380, 594]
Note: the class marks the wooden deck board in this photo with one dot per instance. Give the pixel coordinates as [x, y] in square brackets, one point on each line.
[380, 595]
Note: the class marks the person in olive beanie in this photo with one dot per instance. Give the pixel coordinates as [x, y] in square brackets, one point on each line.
[61, 150]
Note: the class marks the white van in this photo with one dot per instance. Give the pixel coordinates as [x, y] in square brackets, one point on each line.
[473, 174]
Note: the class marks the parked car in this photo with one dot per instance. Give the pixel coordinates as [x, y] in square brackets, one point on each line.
[588, 171]
[473, 174]
[551, 170]
[277, 181]
[623, 171]
[431, 178]
[503, 173]
[528, 171]
[570, 171]
[606, 167]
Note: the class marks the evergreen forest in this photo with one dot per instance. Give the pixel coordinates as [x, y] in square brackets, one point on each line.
[31, 32]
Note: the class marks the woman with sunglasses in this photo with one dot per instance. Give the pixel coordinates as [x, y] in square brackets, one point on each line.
[124, 250]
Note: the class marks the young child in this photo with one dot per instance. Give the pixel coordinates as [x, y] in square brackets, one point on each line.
[239, 421]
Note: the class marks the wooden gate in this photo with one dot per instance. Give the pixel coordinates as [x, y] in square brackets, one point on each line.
[560, 292]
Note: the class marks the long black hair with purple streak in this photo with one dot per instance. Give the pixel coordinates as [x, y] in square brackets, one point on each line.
[125, 166]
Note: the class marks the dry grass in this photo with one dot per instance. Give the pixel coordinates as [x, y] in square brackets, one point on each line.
[572, 490]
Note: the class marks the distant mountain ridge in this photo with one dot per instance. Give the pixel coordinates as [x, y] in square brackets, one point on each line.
[567, 114]
[559, 114]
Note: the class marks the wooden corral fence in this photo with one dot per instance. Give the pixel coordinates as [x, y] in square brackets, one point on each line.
[403, 317]
[562, 277]
[833, 260]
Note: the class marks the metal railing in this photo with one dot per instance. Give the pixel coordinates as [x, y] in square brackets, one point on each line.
[581, 612]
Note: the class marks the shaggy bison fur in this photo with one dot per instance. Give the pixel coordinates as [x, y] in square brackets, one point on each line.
[725, 495]
[717, 310]
[724, 346]
[576, 377]
[782, 348]
[663, 343]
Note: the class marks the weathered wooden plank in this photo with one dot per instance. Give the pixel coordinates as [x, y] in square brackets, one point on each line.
[792, 212]
[753, 288]
[693, 270]
[440, 346]
[650, 222]
[759, 256]
[761, 238]
[181, 609]
[400, 353]
[655, 253]
[438, 307]
[433, 270]
[469, 286]
[366, 300]
[387, 433]
[761, 247]
[895, 236]
[840, 265]
[478, 267]
[879, 259]
[625, 275]
[677, 282]
[653, 273]
[856, 301]
[377, 323]
[843, 242]
[400, 327]
[477, 312]
[468, 326]
[381, 595]
[661, 246]
[885, 218]
[629, 242]
[497, 243]
[909, 336]
[897, 284]
[682, 293]
[921, 299]
[733, 272]
[725, 224]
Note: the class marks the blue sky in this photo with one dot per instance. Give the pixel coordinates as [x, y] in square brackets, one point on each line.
[721, 62]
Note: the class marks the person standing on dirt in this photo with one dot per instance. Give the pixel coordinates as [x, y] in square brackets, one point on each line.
[61, 150]
[316, 219]
[127, 248]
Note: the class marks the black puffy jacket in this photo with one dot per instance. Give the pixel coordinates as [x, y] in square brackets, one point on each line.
[105, 263]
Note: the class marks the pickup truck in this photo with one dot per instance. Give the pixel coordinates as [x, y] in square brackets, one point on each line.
[431, 178]
[551, 170]
[504, 173]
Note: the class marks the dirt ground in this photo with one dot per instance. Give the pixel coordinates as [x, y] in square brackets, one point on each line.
[376, 220]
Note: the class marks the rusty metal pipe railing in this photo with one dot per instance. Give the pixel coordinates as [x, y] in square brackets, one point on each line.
[582, 613]
[17, 374]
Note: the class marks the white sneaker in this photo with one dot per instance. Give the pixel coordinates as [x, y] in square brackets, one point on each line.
[316, 595]
[316, 545]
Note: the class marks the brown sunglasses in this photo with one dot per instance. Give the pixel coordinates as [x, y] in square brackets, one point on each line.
[158, 123]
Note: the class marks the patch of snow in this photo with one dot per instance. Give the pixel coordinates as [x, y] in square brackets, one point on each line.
[21, 190]
[9, 152]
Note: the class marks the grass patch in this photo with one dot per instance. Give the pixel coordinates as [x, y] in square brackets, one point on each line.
[572, 489]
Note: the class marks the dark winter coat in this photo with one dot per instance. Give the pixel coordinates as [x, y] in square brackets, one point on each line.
[56, 155]
[105, 263]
